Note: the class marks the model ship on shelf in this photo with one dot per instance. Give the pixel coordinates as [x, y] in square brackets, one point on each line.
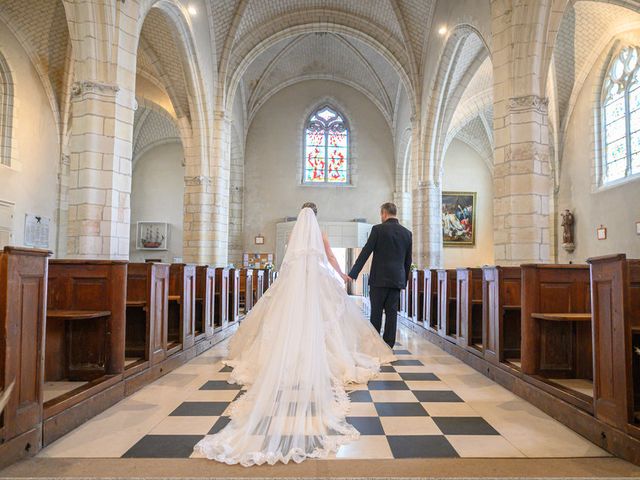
[152, 238]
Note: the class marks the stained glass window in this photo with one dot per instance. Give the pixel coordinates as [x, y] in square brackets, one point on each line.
[326, 152]
[621, 117]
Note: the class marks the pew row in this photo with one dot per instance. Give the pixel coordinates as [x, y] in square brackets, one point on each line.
[615, 303]
[23, 290]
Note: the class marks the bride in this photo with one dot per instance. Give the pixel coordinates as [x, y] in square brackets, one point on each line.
[297, 348]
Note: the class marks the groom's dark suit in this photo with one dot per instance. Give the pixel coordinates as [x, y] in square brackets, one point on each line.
[391, 246]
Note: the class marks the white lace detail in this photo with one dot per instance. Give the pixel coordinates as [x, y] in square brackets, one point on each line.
[302, 342]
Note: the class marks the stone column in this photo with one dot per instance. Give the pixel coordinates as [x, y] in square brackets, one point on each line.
[100, 171]
[522, 177]
[522, 183]
[427, 225]
[404, 204]
[221, 168]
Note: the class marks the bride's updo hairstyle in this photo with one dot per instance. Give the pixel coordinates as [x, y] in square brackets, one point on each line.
[312, 206]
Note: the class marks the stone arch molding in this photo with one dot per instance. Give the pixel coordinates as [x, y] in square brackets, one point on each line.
[353, 139]
[153, 126]
[248, 49]
[447, 93]
[6, 112]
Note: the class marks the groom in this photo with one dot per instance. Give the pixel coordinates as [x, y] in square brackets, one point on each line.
[390, 244]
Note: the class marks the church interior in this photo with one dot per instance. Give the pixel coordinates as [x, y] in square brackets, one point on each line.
[144, 210]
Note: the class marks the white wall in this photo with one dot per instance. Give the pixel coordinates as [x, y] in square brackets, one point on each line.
[616, 208]
[465, 171]
[274, 150]
[31, 181]
[157, 195]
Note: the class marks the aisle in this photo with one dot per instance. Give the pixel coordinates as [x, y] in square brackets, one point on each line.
[426, 405]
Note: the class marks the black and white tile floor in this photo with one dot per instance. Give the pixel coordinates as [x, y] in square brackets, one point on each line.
[425, 405]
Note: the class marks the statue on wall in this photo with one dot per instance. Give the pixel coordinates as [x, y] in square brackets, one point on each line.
[567, 231]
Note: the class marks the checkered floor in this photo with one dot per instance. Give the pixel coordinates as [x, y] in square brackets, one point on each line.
[407, 412]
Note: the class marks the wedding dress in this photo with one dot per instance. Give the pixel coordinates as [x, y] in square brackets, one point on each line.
[297, 348]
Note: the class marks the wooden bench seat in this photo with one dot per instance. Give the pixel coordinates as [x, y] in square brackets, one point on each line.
[147, 315]
[469, 309]
[447, 296]
[181, 312]
[84, 347]
[234, 295]
[417, 296]
[502, 319]
[245, 300]
[205, 302]
[615, 304]
[221, 311]
[23, 290]
[556, 329]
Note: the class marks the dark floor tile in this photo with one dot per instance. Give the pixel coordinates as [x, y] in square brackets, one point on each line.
[387, 385]
[418, 377]
[367, 425]
[407, 363]
[400, 409]
[163, 446]
[387, 368]
[464, 426]
[360, 396]
[421, 446]
[196, 409]
[226, 368]
[402, 352]
[436, 396]
[220, 385]
[219, 425]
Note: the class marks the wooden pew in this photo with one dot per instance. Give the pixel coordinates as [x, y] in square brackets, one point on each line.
[234, 295]
[447, 295]
[502, 319]
[182, 306]
[245, 300]
[146, 315]
[556, 330]
[469, 309]
[205, 302]
[23, 291]
[269, 278]
[258, 285]
[418, 296]
[221, 316]
[432, 305]
[615, 303]
[84, 341]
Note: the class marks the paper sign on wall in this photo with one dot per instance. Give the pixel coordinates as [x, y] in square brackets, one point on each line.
[36, 231]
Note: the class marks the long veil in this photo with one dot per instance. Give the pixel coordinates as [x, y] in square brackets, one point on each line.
[296, 349]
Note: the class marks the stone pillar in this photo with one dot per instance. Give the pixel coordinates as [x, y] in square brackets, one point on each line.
[221, 168]
[100, 171]
[522, 184]
[427, 225]
[405, 207]
[522, 177]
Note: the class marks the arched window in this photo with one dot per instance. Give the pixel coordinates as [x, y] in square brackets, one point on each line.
[621, 117]
[6, 112]
[326, 152]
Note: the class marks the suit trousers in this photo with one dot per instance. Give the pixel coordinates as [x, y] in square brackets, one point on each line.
[387, 300]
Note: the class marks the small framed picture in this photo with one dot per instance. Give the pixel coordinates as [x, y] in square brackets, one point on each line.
[259, 240]
[637, 228]
[601, 233]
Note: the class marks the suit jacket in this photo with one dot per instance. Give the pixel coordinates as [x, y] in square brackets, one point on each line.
[391, 245]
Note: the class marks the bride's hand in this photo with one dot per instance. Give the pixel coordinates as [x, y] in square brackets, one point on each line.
[346, 278]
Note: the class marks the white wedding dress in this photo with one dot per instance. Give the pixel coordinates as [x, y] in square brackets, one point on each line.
[297, 348]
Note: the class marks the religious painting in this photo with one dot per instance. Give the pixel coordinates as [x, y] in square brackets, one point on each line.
[459, 219]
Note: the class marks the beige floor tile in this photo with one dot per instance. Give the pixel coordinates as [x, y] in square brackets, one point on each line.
[388, 376]
[393, 396]
[409, 426]
[427, 385]
[367, 446]
[362, 409]
[212, 395]
[184, 426]
[483, 446]
[449, 409]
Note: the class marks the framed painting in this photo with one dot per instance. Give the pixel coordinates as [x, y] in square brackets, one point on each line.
[459, 219]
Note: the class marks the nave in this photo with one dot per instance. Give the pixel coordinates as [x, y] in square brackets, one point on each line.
[427, 406]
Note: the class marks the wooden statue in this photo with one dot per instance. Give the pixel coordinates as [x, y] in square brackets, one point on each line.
[567, 231]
